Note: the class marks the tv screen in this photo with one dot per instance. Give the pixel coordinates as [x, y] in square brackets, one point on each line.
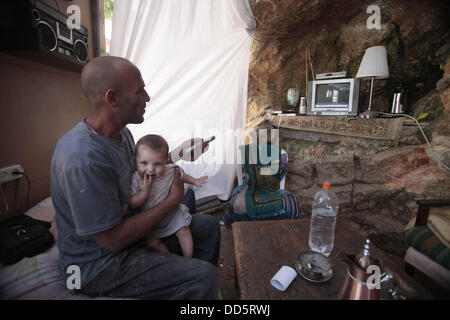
[335, 95]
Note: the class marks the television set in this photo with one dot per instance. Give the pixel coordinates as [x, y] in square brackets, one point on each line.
[333, 97]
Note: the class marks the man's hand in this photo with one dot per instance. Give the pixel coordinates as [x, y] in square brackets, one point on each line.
[177, 153]
[137, 226]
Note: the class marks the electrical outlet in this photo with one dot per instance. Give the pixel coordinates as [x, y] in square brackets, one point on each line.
[8, 173]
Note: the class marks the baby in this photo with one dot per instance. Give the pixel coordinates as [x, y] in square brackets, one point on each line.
[150, 186]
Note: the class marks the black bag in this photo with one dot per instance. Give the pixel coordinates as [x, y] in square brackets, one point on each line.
[23, 236]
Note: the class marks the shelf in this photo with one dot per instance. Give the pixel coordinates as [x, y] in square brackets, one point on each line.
[373, 128]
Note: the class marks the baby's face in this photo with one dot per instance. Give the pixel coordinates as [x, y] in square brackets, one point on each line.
[150, 162]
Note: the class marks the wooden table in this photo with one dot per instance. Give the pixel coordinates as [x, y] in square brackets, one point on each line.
[261, 248]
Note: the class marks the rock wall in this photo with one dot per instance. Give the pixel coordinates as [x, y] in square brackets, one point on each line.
[377, 182]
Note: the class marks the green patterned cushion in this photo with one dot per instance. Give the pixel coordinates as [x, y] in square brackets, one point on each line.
[424, 240]
[263, 197]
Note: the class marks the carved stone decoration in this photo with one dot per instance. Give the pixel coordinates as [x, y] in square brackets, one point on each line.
[384, 129]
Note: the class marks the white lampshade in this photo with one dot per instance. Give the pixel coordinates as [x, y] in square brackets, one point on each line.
[374, 64]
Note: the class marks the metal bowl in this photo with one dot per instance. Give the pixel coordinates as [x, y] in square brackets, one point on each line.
[314, 266]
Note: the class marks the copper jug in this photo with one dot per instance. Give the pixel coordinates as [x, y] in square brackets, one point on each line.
[364, 276]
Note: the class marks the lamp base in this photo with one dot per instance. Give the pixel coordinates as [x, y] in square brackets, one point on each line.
[368, 114]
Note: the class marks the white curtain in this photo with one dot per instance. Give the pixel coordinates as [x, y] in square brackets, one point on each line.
[194, 59]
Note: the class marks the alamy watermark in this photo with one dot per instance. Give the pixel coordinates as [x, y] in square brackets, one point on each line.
[374, 280]
[228, 147]
[74, 279]
[374, 20]
[74, 19]
[375, 277]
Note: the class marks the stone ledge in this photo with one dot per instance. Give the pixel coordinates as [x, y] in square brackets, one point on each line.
[375, 128]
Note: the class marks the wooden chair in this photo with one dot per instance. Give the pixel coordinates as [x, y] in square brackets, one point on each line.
[416, 258]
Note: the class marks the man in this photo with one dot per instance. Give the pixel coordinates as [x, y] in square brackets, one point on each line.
[90, 187]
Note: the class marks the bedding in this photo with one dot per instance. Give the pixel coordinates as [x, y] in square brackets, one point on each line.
[38, 277]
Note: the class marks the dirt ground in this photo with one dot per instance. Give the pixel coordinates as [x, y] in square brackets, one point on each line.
[226, 264]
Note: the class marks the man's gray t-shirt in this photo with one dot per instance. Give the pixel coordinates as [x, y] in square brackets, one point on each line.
[90, 187]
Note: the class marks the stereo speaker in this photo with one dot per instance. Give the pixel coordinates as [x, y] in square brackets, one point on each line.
[34, 30]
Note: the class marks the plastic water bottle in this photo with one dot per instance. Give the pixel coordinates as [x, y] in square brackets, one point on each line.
[323, 220]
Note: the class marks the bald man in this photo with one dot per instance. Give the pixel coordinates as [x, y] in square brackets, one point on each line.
[90, 175]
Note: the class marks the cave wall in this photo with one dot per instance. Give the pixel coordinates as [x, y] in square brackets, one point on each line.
[377, 182]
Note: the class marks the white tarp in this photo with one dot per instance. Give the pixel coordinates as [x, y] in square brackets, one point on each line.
[194, 59]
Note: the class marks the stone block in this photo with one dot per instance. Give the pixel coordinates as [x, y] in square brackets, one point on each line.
[343, 193]
[367, 171]
[370, 196]
[306, 196]
[378, 223]
[412, 140]
[299, 135]
[385, 165]
[338, 170]
[408, 131]
[300, 175]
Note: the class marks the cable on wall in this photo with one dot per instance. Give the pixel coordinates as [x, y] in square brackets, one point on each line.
[433, 152]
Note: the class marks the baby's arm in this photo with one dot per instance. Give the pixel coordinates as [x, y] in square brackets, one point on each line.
[196, 182]
[139, 199]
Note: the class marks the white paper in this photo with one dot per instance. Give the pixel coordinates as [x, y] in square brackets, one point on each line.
[283, 278]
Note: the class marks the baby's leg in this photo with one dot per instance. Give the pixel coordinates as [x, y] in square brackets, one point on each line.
[156, 244]
[187, 244]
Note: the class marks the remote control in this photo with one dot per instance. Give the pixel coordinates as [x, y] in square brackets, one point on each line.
[190, 149]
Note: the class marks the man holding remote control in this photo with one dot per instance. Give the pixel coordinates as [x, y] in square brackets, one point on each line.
[192, 149]
[90, 187]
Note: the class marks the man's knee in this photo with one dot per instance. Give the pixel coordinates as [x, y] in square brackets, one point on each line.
[209, 284]
[207, 223]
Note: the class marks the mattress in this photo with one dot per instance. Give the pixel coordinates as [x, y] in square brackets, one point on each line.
[38, 277]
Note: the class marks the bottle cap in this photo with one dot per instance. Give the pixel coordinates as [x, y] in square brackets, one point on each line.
[326, 186]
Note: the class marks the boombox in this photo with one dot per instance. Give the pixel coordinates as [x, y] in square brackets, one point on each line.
[32, 29]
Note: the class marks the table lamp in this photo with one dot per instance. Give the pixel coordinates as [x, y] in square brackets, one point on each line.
[374, 66]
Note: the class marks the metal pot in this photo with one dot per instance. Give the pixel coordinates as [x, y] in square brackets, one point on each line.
[364, 276]
[399, 101]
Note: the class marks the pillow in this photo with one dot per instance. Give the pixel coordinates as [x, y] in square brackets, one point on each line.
[439, 223]
[425, 241]
[263, 198]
